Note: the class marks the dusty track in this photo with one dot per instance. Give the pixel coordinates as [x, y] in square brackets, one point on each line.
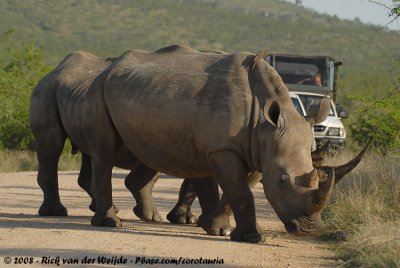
[23, 233]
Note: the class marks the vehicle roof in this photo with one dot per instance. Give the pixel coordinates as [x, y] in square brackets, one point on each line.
[303, 56]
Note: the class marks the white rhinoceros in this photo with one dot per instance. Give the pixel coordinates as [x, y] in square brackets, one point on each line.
[189, 114]
[192, 114]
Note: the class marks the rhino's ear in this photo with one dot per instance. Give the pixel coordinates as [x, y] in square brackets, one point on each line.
[272, 113]
[318, 113]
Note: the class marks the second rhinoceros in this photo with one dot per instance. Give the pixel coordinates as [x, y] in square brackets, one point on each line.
[57, 111]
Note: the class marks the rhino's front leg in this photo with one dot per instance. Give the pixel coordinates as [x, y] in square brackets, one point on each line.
[231, 173]
[181, 213]
[140, 181]
[102, 193]
[219, 224]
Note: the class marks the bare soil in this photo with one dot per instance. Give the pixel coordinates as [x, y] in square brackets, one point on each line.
[24, 234]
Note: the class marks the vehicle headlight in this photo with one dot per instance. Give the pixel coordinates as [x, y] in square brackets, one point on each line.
[335, 131]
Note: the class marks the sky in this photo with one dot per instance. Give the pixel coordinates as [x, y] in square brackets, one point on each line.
[366, 11]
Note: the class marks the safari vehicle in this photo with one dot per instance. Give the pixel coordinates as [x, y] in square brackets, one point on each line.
[301, 110]
[331, 129]
[311, 78]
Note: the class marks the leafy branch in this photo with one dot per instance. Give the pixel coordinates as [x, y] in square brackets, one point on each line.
[394, 10]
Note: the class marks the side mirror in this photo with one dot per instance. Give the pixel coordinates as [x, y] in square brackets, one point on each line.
[343, 114]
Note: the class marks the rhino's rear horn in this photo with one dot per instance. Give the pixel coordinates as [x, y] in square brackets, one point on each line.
[319, 155]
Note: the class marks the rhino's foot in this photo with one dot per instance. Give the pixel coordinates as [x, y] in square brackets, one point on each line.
[92, 207]
[57, 209]
[246, 236]
[216, 226]
[108, 220]
[181, 216]
[149, 215]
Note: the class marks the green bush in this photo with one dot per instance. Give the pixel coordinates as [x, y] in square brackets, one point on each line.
[20, 69]
[376, 98]
[379, 119]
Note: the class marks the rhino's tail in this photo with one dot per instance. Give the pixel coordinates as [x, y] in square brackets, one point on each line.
[74, 149]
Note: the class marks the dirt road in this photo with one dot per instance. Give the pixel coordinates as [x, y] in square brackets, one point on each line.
[46, 241]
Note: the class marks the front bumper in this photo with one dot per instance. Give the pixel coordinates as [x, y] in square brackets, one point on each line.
[335, 143]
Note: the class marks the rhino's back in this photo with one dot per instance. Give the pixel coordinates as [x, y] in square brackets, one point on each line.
[44, 110]
[75, 75]
[174, 106]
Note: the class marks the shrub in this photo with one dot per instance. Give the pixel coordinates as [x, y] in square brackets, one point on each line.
[379, 118]
[20, 69]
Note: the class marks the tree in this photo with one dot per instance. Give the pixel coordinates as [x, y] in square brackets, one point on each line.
[380, 118]
[394, 10]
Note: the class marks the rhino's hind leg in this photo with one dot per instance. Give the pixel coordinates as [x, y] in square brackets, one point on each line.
[208, 193]
[230, 170]
[50, 146]
[218, 224]
[102, 193]
[140, 181]
[181, 213]
[85, 181]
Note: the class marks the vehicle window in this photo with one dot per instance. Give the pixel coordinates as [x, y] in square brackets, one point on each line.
[297, 105]
[310, 101]
[301, 71]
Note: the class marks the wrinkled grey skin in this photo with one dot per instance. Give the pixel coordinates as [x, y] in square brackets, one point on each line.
[221, 225]
[195, 115]
[54, 118]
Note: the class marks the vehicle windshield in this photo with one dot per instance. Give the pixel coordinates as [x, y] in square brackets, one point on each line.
[304, 71]
[297, 105]
[310, 101]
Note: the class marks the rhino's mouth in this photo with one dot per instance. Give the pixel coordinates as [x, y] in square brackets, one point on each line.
[304, 226]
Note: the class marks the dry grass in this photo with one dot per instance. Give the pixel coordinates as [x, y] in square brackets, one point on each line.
[14, 161]
[374, 245]
[17, 161]
[364, 213]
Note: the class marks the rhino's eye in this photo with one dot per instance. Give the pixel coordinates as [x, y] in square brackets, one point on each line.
[284, 178]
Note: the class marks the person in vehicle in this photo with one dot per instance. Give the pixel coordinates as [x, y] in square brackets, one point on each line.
[314, 80]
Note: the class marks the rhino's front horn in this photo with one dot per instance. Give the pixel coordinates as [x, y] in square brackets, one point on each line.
[321, 195]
